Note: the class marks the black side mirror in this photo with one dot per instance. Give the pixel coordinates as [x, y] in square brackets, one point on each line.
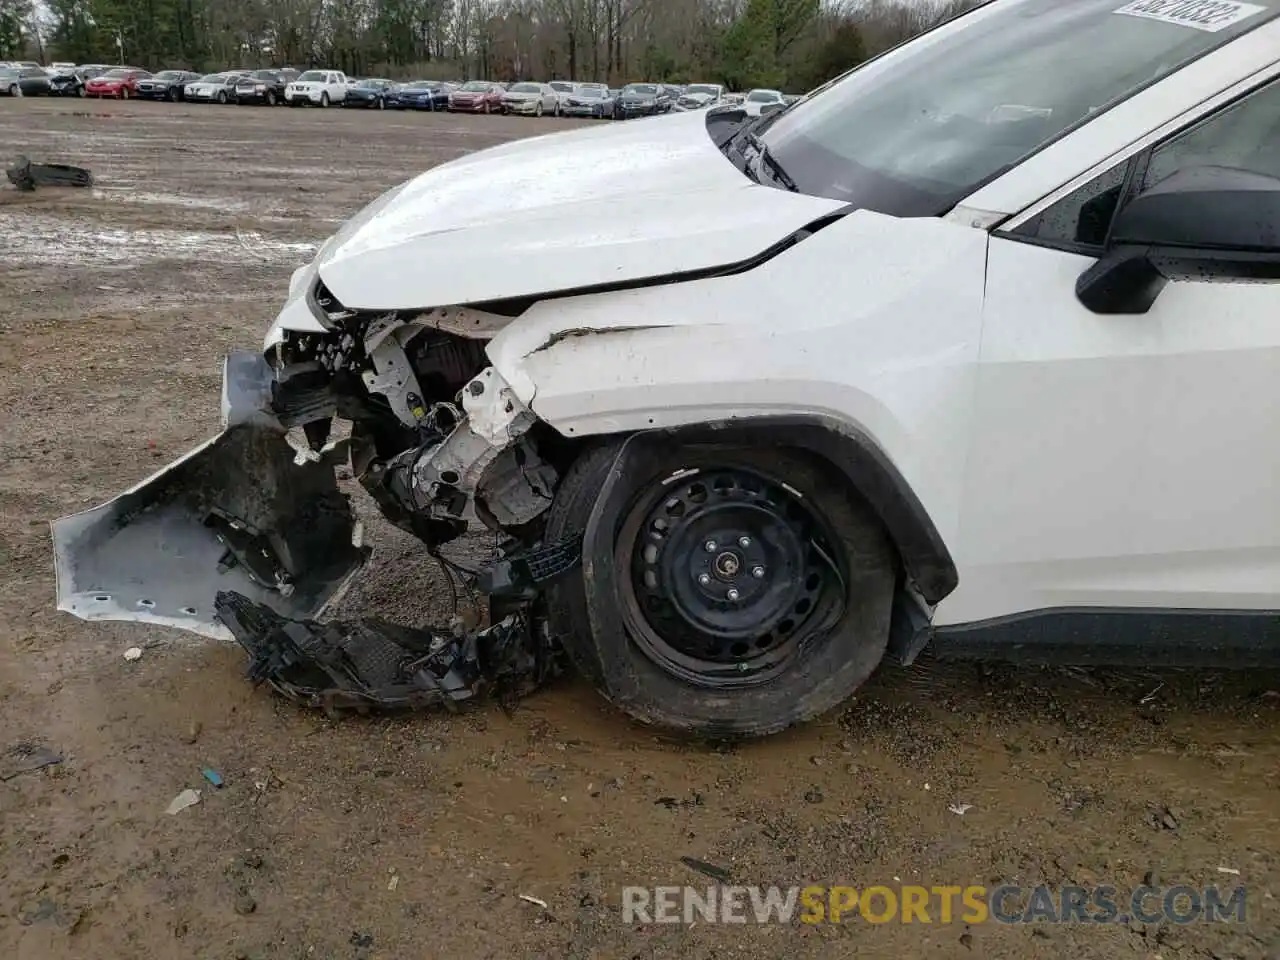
[1202, 223]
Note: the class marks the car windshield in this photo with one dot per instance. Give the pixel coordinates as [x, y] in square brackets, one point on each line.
[594, 93]
[526, 88]
[263, 75]
[372, 84]
[8, 72]
[475, 86]
[211, 78]
[641, 89]
[762, 96]
[168, 75]
[561, 86]
[117, 74]
[312, 75]
[421, 85]
[914, 132]
[702, 88]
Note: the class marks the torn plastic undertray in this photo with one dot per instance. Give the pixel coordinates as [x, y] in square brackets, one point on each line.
[371, 664]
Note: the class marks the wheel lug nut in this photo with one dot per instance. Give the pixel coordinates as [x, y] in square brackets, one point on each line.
[710, 546]
[744, 542]
[704, 579]
[757, 572]
[732, 594]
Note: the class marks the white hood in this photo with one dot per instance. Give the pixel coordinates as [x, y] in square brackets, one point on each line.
[612, 204]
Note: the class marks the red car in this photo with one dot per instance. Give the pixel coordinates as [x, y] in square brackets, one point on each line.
[121, 82]
[477, 96]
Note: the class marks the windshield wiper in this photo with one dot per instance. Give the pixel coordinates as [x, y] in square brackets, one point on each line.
[766, 161]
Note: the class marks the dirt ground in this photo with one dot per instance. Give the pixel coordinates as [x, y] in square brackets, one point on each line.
[416, 837]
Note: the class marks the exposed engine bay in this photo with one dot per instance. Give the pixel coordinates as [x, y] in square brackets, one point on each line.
[248, 537]
[438, 440]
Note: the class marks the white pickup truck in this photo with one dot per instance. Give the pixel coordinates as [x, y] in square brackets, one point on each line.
[320, 87]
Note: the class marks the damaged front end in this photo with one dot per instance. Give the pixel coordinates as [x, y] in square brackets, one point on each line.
[249, 537]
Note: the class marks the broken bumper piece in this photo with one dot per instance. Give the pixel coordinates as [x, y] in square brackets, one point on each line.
[371, 664]
[236, 514]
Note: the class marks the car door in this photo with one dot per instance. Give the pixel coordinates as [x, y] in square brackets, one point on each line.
[1126, 459]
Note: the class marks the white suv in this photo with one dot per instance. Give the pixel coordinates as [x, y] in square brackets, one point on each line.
[319, 87]
[978, 345]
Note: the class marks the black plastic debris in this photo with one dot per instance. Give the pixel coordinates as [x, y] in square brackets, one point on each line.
[25, 758]
[719, 874]
[371, 664]
[25, 175]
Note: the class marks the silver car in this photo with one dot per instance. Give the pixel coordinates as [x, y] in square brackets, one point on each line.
[531, 100]
[591, 100]
[700, 96]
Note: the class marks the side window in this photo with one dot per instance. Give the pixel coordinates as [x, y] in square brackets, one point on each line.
[1244, 135]
[1080, 219]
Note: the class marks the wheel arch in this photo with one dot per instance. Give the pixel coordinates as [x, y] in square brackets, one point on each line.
[927, 566]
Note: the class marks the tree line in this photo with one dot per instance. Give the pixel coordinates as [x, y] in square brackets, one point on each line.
[792, 45]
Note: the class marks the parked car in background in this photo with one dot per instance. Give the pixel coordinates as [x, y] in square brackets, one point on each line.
[371, 93]
[756, 100]
[24, 82]
[317, 87]
[214, 87]
[420, 95]
[166, 85]
[66, 82]
[71, 83]
[591, 100]
[59, 66]
[477, 96]
[531, 99]
[564, 90]
[699, 96]
[120, 82]
[261, 86]
[642, 100]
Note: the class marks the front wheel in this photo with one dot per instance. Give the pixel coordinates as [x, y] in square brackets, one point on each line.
[15, 90]
[752, 593]
[324, 99]
[271, 98]
[222, 96]
[173, 94]
[124, 93]
[382, 104]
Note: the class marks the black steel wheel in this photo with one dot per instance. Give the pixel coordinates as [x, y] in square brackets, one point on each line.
[726, 591]
[730, 572]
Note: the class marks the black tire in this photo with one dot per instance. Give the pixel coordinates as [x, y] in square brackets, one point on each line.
[271, 98]
[173, 94]
[808, 679]
[382, 104]
[15, 90]
[324, 98]
[124, 93]
[222, 97]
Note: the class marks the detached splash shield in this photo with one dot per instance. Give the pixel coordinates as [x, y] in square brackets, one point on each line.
[236, 514]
